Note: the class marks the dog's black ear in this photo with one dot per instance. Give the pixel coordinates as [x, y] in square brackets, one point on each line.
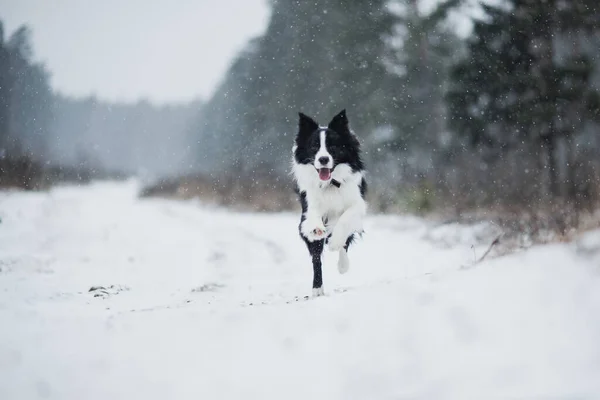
[339, 123]
[306, 125]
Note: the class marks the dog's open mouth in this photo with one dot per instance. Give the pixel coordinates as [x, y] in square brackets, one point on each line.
[324, 174]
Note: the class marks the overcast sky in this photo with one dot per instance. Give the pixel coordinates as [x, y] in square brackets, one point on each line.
[164, 50]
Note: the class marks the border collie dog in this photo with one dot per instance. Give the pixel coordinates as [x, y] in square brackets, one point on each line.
[330, 182]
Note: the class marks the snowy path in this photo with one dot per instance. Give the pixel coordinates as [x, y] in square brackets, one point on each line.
[200, 308]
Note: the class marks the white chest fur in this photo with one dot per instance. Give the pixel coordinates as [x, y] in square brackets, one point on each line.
[328, 202]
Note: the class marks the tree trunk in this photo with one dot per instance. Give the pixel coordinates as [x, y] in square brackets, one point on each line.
[572, 184]
[552, 165]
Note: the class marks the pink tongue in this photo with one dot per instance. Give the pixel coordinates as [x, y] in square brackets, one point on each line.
[324, 174]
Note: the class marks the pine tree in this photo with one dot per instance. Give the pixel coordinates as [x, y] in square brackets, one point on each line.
[31, 96]
[25, 96]
[513, 87]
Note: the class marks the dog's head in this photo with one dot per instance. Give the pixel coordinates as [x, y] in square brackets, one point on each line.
[325, 148]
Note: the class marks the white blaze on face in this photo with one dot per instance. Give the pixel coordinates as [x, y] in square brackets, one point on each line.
[323, 168]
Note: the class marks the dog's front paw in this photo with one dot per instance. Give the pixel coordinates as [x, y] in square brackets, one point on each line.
[317, 292]
[313, 230]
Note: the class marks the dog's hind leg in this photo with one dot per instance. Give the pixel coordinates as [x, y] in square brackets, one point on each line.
[316, 250]
[343, 261]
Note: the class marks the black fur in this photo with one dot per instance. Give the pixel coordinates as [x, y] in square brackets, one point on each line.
[342, 145]
[363, 188]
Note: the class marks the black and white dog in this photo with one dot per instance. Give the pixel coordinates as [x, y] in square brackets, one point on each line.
[330, 181]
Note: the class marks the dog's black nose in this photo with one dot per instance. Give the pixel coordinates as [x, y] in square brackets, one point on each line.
[324, 160]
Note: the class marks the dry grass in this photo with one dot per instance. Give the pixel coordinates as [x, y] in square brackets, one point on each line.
[20, 172]
[524, 227]
[265, 195]
[27, 174]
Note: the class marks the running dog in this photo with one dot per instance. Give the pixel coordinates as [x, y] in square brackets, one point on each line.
[331, 185]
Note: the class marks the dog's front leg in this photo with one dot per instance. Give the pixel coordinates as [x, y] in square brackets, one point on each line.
[316, 249]
[312, 226]
[350, 221]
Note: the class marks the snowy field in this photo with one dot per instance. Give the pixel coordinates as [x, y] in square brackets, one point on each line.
[200, 303]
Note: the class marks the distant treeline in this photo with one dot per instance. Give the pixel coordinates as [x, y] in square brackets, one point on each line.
[139, 139]
[39, 127]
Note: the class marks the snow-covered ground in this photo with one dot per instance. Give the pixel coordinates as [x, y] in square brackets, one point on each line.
[199, 303]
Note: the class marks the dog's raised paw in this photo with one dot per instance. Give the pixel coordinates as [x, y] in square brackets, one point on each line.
[318, 232]
[318, 292]
[314, 231]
